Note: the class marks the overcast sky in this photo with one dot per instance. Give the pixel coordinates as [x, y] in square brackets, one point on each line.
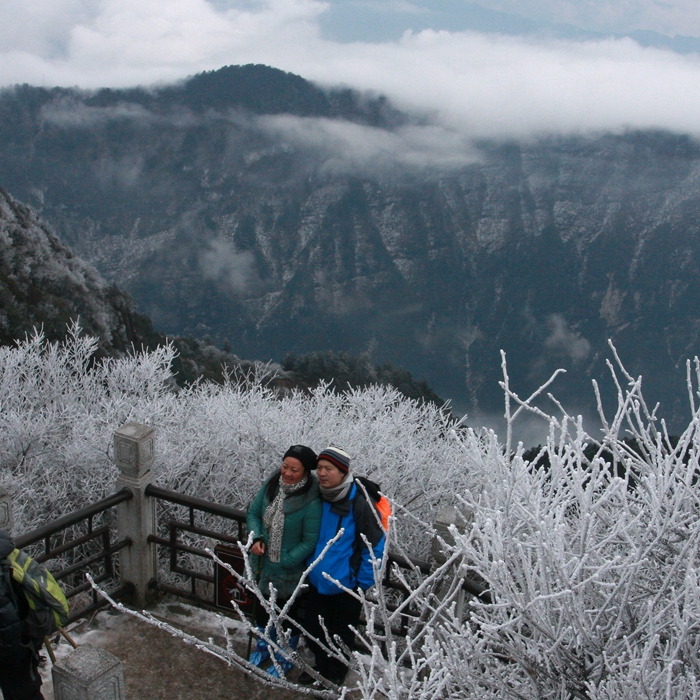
[491, 69]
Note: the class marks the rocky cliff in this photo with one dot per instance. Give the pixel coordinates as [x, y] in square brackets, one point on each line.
[43, 285]
[251, 206]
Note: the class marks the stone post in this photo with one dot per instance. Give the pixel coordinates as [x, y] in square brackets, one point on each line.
[5, 511]
[88, 673]
[134, 451]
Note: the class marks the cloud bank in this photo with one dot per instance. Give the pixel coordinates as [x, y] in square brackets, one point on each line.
[474, 85]
[621, 16]
[345, 147]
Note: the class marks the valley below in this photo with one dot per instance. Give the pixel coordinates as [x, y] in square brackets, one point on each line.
[251, 208]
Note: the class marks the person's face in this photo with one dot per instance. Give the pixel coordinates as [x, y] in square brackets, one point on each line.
[329, 476]
[292, 471]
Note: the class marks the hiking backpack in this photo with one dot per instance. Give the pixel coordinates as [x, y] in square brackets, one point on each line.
[48, 607]
[381, 503]
[32, 604]
[11, 624]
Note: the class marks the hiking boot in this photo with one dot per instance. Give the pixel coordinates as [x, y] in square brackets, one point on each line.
[260, 654]
[284, 664]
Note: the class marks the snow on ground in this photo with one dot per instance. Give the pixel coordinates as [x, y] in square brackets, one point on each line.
[159, 666]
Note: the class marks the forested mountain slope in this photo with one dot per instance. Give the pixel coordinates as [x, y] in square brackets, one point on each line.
[44, 285]
[252, 206]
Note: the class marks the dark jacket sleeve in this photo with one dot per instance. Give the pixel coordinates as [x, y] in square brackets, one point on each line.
[367, 523]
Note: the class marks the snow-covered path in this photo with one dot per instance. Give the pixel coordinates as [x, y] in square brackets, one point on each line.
[158, 666]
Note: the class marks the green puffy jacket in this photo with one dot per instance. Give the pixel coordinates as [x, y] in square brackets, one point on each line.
[302, 524]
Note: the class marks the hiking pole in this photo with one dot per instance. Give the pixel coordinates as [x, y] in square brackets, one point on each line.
[67, 637]
[49, 648]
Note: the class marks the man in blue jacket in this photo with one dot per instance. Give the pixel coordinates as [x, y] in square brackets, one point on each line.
[348, 561]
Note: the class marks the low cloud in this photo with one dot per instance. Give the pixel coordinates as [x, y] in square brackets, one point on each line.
[494, 86]
[337, 146]
[234, 271]
[563, 341]
[467, 85]
[71, 114]
[347, 147]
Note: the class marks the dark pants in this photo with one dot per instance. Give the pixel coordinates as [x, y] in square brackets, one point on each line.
[19, 677]
[339, 613]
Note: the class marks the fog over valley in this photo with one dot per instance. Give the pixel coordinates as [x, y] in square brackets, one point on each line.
[461, 179]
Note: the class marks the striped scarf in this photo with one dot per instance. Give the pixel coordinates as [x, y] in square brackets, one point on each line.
[273, 518]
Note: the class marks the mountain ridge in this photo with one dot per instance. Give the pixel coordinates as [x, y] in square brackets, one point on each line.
[45, 288]
[290, 232]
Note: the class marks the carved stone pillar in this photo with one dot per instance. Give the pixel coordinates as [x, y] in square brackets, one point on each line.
[134, 452]
[88, 673]
[5, 511]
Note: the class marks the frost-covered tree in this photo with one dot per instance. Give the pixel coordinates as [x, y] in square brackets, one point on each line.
[59, 407]
[589, 556]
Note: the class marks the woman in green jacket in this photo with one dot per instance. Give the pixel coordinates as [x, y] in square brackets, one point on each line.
[285, 519]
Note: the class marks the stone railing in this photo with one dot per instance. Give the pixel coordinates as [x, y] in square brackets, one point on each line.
[90, 673]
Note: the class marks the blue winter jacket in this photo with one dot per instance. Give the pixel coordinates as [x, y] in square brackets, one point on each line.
[348, 560]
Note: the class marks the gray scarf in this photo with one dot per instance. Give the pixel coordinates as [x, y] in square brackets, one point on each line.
[337, 493]
[273, 518]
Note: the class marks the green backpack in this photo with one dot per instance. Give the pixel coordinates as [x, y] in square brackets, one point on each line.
[48, 607]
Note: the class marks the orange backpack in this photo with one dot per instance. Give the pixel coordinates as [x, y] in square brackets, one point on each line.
[381, 503]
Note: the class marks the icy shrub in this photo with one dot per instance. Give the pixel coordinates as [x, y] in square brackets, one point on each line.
[588, 551]
[60, 407]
